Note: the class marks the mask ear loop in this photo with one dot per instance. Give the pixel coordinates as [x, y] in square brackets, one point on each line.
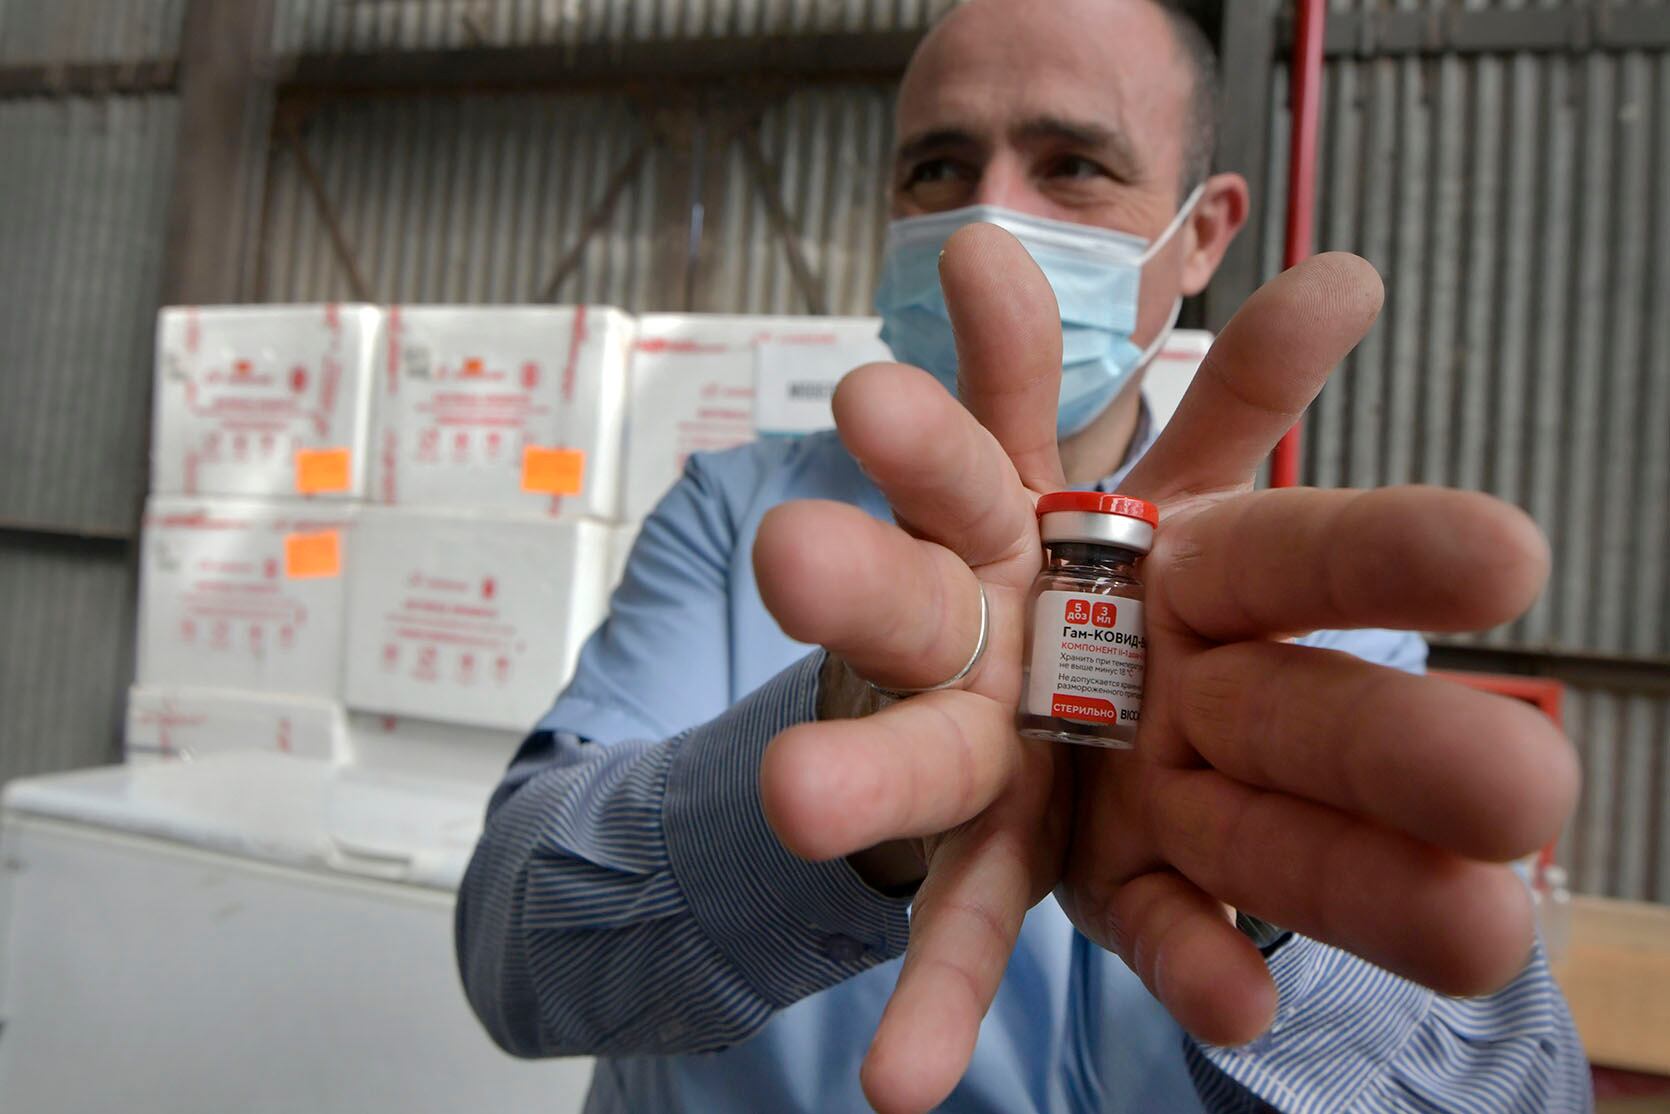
[1159, 342]
[1183, 214]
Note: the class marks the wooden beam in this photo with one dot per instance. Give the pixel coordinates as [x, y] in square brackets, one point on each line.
[88, 79]
[773, 59]
[782, 225]
[223, 52]
[677, 233]
[326, 210]
[596, 220]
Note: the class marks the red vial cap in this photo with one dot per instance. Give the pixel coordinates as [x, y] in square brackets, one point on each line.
[1096, 502]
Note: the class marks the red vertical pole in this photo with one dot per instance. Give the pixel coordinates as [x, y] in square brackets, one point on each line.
[1305, 75]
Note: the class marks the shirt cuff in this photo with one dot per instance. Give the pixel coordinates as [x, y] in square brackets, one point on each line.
[789, 926]
[1339, 1022]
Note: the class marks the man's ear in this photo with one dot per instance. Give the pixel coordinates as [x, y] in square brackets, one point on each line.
[1218, 216]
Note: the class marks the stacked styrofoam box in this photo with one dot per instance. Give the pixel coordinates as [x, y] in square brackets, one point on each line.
[444, 750]
[259, 455]
[469, 619]
[242, 594]
[1173, 369]
[509, 504]
[483, 570]
[384, 536]
[704, 382]
[513, 409]
[263, 401]
[182, 722]
[710, 382]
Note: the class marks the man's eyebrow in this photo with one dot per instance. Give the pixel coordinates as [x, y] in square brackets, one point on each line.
[936, 140]
[1113, 145]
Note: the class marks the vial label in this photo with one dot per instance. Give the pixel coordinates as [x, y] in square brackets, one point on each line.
[1088, 654]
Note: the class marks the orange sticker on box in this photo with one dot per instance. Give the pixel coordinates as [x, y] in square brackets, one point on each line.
[323, 470]
[553, 471]
[313, 556]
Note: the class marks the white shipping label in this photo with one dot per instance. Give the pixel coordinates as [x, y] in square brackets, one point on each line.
[795, 378]
[1088, 654]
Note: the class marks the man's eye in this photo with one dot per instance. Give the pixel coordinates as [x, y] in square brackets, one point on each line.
[935, 185]
[933, 170]
[1075, 166]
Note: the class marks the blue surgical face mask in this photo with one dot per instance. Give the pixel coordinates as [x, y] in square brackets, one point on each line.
[1096, 275]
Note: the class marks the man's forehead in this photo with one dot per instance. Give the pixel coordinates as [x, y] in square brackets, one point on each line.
[990, 63]
[967, 98]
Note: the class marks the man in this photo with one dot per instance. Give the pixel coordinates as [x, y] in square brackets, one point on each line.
[705, 864]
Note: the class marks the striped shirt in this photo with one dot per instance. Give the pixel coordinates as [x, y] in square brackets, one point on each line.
[628, 900]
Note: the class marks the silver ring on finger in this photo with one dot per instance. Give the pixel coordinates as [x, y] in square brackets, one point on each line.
[961, 674]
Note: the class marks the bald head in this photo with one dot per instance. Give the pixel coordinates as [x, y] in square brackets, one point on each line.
[1133, 64]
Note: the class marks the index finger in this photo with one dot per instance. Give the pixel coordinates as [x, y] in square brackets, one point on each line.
[1262, 372]
[1300, 559]
[1008, 332]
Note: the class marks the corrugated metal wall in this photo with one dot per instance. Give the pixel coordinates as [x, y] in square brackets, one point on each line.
[330, 25]
[1619, 842]
[830, 152]
[66, 630]
[1518, 205]
[89, 30]
[463, 200]
[85, 184]
[478, 199]
[83, 200]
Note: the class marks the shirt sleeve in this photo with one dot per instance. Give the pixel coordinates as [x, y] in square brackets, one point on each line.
[627, 895]
[1349, 1036]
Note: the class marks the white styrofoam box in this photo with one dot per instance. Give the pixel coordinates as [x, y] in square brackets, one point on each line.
[693, 387]
[1172, 370]
[269, 401]
[512, 408]
[797, 368]
[242, 594]
[420, 747]
[192, 723]
[470, 619]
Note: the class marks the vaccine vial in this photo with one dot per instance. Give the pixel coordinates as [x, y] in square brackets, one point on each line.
[1086, 648]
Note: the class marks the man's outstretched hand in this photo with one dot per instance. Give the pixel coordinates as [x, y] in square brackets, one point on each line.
[1364, 807]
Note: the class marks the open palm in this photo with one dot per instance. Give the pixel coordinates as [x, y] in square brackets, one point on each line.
[1350, 802]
